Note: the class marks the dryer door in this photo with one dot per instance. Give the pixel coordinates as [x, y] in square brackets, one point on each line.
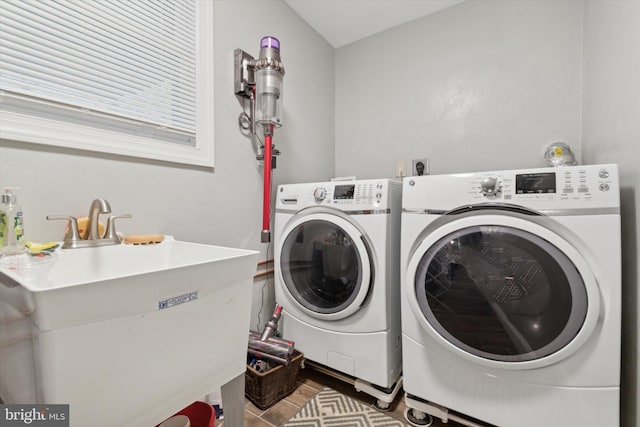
[503, 290]
[325, 265]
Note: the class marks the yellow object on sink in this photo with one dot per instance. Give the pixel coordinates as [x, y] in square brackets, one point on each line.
[37, 248]
[83, 229]
[144, 239]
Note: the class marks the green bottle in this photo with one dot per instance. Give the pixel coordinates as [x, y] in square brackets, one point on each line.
[11, 224]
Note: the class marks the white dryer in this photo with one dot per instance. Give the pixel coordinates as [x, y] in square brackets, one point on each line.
[337, 275]
[511, 296]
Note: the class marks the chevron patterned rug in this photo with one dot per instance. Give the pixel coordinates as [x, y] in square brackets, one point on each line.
[330, 408]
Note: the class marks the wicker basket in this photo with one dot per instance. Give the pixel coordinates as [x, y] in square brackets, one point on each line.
[266, 388]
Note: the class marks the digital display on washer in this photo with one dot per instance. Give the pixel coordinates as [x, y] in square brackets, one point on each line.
[342, 192]
[535, 183]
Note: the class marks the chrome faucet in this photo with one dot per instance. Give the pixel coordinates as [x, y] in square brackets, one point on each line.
[73, 239]
[98, 206]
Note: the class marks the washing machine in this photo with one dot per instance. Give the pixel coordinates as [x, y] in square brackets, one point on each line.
[337, 276]
[511, 296]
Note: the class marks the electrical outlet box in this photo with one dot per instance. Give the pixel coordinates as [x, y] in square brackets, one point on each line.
[419, 167]
[401, 168]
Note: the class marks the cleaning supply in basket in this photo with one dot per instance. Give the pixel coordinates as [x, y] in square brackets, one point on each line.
[272, 324]
[274, 349]
[11, 224]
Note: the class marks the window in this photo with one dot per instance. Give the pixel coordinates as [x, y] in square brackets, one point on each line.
[131, 78]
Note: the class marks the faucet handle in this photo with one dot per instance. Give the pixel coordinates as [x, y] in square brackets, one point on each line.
[72, 235]
[110, 233]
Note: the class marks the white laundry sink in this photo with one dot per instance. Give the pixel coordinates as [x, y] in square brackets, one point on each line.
[126, 335]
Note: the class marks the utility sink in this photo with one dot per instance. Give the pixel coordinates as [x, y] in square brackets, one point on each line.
[126, 335]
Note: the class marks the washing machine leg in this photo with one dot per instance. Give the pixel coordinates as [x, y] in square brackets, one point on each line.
[416, 406]
[417, 418]
[384, 396]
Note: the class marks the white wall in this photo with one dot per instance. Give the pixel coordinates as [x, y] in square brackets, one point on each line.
[611, 133]
[222, 207]
[479, 86]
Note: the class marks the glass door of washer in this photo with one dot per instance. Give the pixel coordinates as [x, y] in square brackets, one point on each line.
[501, 292]
[325, 265]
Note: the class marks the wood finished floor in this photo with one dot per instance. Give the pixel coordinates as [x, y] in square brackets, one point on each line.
[309, 383]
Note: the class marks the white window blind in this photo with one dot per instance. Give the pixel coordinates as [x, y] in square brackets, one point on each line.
[113, 67]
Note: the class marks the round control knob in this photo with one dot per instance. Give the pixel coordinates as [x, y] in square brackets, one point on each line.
[319, 194]
[491, 187]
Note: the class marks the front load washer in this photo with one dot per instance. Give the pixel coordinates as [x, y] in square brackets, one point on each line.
[511, 296]
[337, 275]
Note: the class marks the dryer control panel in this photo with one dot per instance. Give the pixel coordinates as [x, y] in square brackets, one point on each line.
[345, 195]
[568, 187]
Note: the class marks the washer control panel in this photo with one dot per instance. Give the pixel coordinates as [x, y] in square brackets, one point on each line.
[562, 183]
[548, 189]
[350, 193]
[362, 194]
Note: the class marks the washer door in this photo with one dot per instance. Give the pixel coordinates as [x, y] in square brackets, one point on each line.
[503, 290]
[325, 265]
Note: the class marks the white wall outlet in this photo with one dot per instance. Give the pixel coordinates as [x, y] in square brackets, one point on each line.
[401, 168]
[419, 167]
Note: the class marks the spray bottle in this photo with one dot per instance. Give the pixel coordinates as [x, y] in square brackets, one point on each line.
[11, 224]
